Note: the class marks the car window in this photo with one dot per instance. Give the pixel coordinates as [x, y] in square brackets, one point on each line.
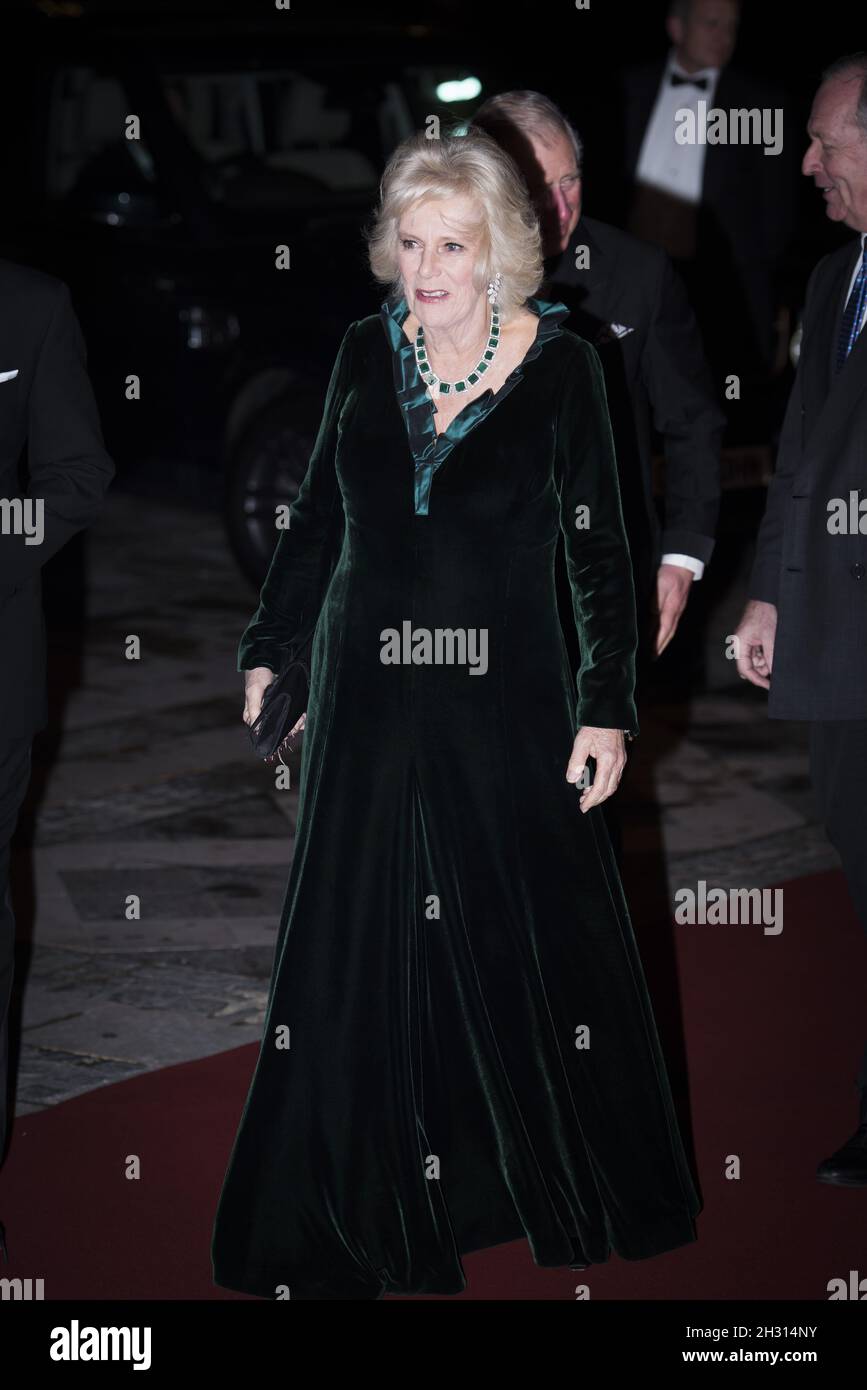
[287, 122]
[263, 135]
[87, 117]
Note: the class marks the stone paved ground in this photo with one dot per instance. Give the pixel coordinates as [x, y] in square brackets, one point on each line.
[151, 788]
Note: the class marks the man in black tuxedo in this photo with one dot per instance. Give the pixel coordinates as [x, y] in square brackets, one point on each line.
[722, 211]
[54, 471]
[803, 635]
[627, 301]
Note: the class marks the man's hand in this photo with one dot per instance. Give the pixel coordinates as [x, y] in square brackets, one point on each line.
[673, 584]
[754, 643]
[608, 747]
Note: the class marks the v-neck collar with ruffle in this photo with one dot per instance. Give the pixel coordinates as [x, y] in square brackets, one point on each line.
[429, 449]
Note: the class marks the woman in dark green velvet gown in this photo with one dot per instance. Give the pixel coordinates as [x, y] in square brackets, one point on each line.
[472, 1052]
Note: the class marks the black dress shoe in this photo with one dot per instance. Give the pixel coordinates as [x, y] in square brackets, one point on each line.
[848, 1166]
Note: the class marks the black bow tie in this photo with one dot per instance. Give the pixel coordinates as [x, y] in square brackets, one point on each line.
[678, 81]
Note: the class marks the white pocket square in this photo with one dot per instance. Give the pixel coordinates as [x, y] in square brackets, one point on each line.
[7, 376]
[612, 332]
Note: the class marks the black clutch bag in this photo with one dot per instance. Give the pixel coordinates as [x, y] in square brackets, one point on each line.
[284, 702]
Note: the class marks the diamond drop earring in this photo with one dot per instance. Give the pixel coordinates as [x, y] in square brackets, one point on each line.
[494, 288]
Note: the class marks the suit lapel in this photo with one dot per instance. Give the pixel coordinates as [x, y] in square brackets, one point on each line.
[830, 394]
[646, 92]
[598, 297]
[849, 383]
[600, 270]
[712, 174]
[586, 283]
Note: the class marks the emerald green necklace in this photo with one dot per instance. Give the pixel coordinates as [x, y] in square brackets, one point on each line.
[429, 376]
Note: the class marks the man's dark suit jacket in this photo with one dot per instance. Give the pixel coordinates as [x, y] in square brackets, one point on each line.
[655, 375]
[51, 448]
[748, 197]
[818, 580]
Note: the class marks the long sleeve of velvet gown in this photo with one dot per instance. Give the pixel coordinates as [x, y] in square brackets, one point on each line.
[307, 548]
[597, 552]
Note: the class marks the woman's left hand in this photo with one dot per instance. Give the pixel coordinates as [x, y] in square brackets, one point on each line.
[608, 747]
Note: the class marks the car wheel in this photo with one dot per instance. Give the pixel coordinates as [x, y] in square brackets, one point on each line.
[265, 470]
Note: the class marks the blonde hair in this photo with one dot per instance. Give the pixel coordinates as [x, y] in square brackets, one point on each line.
[472, 165]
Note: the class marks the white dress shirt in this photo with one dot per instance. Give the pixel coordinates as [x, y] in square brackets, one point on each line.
[687, 562]
[678, 169]
[663, 163]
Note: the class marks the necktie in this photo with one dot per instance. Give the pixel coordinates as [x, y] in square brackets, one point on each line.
[678, 81]
[853, 313]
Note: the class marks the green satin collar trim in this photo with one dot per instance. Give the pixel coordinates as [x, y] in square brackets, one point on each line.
[429, 449]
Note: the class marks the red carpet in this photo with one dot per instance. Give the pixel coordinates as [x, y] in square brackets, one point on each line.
[774, 1027]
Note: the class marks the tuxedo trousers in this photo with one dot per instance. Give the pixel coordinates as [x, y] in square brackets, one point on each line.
[15, 756]
[838, 768]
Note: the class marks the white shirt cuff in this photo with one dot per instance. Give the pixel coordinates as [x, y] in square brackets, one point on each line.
[687, 562]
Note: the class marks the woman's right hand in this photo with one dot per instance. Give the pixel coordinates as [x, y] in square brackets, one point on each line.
[256, 682]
